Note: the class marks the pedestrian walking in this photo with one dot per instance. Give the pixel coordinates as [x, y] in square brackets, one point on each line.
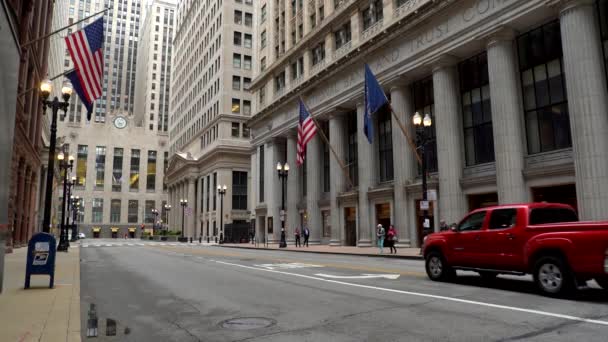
[443, 226]
[297, 234]
[380, 233]
[391, 237]
[306, 235]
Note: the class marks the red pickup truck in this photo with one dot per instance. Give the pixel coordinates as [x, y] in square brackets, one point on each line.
[542, 239]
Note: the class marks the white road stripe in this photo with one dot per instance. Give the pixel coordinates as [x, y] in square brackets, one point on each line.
[426, 295]
[85, 245]
[130, 244]
[141, 244]
[110, 245]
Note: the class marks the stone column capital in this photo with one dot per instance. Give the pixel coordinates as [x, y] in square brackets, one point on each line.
[566, 5]
[291, 133]
[501, 34]
[443, 61]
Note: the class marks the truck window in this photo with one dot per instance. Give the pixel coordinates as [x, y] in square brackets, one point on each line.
[503, 218]
[473, 222]
[552, 215]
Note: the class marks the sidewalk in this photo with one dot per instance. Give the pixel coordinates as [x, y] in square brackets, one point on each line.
[403, 253]
[40, 313]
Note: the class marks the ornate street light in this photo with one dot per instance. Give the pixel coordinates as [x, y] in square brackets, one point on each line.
[46, 87]
[184, 203]
[167, 210]
[283, 171]
[422, 124]
[65, 165]
[221, 190]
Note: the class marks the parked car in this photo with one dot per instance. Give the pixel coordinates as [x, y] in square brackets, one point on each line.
[542, 239]
[81, 235]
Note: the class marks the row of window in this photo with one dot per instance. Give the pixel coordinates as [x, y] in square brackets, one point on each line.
[236, 131]
[133, 211]
[236, 107]
[209, 199]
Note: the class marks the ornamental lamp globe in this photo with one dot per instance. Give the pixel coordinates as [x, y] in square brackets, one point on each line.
[46, 87]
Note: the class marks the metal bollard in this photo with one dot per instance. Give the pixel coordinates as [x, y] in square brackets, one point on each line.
[200, 239]
[207, 239]
[190, 239]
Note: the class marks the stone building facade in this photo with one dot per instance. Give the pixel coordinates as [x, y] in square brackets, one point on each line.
[516, 90]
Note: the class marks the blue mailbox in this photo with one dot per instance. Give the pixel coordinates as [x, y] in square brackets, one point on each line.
[41, 251]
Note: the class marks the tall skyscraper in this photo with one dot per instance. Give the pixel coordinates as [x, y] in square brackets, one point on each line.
[212, 70]
[154, 66]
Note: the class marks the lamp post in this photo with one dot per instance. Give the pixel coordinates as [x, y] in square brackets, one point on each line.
[45, 91]
[68, 199]
[65, 166]
[283, 170]
[221, 190]
[184, 203]
[155, 213]
[422, 139]
[75, 209]
[167, 210]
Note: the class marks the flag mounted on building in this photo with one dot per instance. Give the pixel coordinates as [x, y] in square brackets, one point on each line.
[374, 100]
[86, 49]
[306, 131]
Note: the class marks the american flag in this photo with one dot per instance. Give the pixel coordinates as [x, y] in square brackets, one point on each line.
[86, 49]
[306, 131]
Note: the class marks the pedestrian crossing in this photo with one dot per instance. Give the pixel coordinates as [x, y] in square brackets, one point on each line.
[140, 244]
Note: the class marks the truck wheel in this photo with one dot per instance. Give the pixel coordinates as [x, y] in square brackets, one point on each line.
[603, 282]
[552, 276]
[437, 269]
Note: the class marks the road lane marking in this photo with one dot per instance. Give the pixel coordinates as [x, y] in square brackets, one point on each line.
[426, 295]
[363, 276]
[292, 265]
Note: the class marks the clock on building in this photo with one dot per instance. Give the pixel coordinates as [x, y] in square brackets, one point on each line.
[120, 122]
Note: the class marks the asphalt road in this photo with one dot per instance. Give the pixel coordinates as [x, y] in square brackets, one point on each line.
[190, 293]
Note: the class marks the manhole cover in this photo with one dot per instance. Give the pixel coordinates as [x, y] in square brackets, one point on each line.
[247, 323]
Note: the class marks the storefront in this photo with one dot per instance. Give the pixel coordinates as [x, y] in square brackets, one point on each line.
[114, 231]
[96, 232]
[132, 231]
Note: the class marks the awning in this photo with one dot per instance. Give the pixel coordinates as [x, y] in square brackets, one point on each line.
[96, 230]
[132, 230]
[114, 229]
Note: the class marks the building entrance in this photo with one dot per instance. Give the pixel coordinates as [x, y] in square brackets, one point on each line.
[350, 226]
[565, 194]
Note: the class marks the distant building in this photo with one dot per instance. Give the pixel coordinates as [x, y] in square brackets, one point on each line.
[213, 63]
[516, 90]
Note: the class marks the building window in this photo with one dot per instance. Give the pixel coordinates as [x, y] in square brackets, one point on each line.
[424, 103]
[372, 14]
[115, 211]
[148, 215]
[117, 170]
[263, 39]
[262, 95]
[261, 173]
[235, 130]
[151, 177]
[236, 106]
[165, 167]
[237, 40]
[318, 53]
[239, 190]
[246, 107]
[236, 83]
[97, 210]
[279, 81]
[351, 153]
[263, 64]
[248, 40]
[214, 192]
[263, 14]
[476, 110]
[342, 35]
[385, 145]
[247, 62]
[238, 17]
[248, 19]
[544, 92]
[236, 60]
[81, 165]
[100, 166]
[134, 175]
[245, 131]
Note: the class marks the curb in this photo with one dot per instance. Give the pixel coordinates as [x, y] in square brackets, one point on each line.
[408, 257]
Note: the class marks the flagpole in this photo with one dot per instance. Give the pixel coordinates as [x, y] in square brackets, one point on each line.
[61, 29]
[407, 135]
[342, 165]
[51, 79]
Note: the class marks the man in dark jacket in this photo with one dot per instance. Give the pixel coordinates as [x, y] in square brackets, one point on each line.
[306, 233]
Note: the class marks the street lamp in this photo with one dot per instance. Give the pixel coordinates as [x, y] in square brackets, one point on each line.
[68, 199]
[45, 91]
[422, 124]
[75, 209]
[221, 190]
[65, 166]
[155, 213]
[184, 203]
[283, 170]
[167, 210]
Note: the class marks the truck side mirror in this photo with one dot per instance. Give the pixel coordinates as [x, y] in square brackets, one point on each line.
[454, 229]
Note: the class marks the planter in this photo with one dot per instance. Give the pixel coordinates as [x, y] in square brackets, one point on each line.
[163, 238]
[151, 238]
[182, 239]
[157, 238]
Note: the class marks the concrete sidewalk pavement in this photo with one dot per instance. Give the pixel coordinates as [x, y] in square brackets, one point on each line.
[403, 253]
[40, 313]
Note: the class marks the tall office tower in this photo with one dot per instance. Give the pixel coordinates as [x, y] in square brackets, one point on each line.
[212, 68]
[119, 164]
[154, 66]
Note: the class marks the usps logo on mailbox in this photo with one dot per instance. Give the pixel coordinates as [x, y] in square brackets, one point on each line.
[41, 253]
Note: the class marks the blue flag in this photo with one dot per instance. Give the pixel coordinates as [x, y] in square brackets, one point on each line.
[73, 77]
[374, 100]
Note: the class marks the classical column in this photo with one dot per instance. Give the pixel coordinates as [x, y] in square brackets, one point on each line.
[20, 206]
[337, 136]
[355, 27]
[293, 190]
[447, 121]
[403, 163]
[313, 188]
[191, 220]
[365, 170]
[273, 189]
[587, 105]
